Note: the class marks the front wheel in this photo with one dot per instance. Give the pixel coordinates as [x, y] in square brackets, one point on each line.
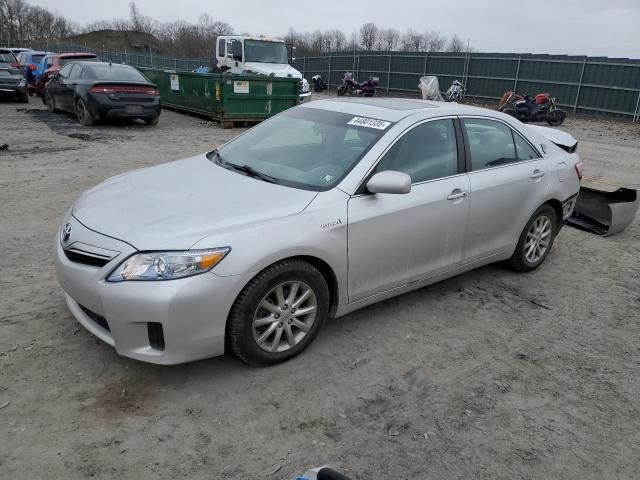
[49, 102]
[278, 314]
[535, 240]
[341, 90]
[83, 114]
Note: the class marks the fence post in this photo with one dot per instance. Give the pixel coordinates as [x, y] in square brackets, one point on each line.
[515, 81]
[329, 74]
[356, 73]
[426, 58]
[636, 115]
[389, 72]
[465, 70]
[575, 104]
[304, 67]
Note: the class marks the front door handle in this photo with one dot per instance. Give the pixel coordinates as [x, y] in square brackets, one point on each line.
[537, 174]
[456, 194]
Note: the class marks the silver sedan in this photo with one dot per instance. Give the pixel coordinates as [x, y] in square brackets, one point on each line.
[321, 210]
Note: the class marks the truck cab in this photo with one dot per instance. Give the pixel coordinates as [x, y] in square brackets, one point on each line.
[237, 54]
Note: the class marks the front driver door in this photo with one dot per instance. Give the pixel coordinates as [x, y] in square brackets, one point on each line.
[394, 240]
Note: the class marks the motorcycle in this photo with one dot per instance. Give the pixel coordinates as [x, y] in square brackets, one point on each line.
[318, 83]
[350, 86]
[456, 92]
[543, 108]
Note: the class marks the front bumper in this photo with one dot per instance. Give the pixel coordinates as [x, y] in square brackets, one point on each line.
[13, 90]
[192, 311]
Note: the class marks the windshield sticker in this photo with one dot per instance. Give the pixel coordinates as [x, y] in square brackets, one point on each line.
[327, 178]
[369, 123]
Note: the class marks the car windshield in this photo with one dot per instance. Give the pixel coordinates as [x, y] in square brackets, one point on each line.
[120, 73]
[303, 147]
[265, 52]
[65, 60]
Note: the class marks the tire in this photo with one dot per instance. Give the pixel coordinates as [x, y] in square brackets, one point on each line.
[555, 119]
[522, 260]
[243, 336]
[340, 91]
[510, 111]
[49, 102]
[24, 97]
[152, 121]
[83, 114]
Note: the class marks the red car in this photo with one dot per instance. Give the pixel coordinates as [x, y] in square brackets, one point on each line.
[51, 64]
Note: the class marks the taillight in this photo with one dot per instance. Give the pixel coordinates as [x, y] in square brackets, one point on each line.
[579, 169]
[111, 89]
[32, 66]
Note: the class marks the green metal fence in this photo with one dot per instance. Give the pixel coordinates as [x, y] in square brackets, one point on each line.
[141, 57]
[581, 84]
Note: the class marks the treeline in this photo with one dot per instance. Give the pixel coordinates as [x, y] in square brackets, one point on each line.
[21, 21]
[371, 37]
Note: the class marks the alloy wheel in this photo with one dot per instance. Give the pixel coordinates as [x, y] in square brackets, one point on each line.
[537, 242]
[284, 316]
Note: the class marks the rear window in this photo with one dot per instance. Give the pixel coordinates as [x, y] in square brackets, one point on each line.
[7, 57]
[118, 73]
[64, 61]
[36, 58]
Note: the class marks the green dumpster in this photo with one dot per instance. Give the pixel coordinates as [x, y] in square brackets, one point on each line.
[225, 98]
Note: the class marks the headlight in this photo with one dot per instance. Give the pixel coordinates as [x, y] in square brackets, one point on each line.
[23, 82]
[167, 265]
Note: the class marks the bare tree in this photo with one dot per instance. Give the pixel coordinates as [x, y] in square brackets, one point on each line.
[389, 39]
[368, 35]
[139, 22]
[434, 42]
[456, 45]
[411, 41]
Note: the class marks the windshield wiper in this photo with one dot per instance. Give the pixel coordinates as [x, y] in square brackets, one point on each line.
[252, 172]
[243, 168]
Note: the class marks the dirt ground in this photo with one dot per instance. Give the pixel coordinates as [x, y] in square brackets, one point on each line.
[489, 375]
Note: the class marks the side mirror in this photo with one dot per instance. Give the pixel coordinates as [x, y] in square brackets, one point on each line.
[389, 181]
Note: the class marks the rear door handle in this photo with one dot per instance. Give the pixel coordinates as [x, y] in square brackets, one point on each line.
[456, 194]
[537, 174]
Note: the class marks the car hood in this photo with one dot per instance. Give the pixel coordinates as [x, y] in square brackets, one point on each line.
[172, 206]
[277, 69]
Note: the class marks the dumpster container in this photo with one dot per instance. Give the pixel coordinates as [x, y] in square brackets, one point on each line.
[228, 99]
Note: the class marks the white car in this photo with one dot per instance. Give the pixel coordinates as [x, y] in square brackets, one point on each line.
[326, 208]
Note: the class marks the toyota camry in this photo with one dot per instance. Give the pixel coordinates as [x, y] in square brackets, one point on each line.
[323, 209]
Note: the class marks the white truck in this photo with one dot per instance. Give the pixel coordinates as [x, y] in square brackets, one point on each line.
[239, 54]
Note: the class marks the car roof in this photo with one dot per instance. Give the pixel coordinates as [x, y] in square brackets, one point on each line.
[394, 109]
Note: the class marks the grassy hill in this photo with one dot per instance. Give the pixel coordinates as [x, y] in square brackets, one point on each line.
[114, 40]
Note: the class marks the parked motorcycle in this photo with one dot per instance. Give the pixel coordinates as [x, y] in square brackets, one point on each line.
[318, 83]
[543, 108]
[350, 86]
[456, 92]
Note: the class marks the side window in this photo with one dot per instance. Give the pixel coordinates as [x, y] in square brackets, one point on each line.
[76, 73]
[426, 152]
[221, 45]
[490, 143]
[64, 71]
[523, 149]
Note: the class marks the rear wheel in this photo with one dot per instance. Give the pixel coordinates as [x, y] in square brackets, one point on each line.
[555, 118]
[152, 121]
[83, 114]
[49, 102]
[535, 240]
[24, 97]
[278, 314]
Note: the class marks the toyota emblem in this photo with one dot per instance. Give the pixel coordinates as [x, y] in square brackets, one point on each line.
[66, 232]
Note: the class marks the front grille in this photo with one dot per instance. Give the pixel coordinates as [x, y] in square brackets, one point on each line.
[156, 335]
[86, 258]
[9, 81]
[98, 319]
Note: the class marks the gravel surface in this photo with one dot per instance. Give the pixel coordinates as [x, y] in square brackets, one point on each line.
[489, 375]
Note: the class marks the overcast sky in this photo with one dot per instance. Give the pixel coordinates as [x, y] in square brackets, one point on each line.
[592, 27]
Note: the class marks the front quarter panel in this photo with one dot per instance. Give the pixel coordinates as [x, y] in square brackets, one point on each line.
[320, 231]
